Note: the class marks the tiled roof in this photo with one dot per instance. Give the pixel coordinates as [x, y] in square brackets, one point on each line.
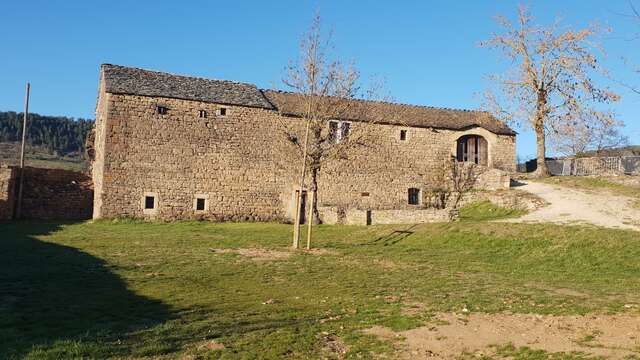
[398, 114]
[135, 81]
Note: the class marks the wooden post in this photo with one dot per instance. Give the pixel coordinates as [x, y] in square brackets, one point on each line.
[24, 138]
[296, 222]
[310, 219]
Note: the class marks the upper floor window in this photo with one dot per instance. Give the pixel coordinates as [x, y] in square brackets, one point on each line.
[222, 111]
[162, 110]
[338, 130]
[203, 113]
[403, 135]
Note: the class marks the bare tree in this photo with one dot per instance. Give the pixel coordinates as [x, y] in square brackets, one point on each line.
[591, 134]
[327, 91]
[453, 180]
[551, 83]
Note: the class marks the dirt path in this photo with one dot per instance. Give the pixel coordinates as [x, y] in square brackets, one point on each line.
[568, 205]
[609, 336]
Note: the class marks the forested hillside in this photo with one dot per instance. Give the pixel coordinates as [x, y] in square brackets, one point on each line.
[58, 135]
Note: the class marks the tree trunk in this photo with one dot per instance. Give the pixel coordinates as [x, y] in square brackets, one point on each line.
[538, 126]
[314, 189]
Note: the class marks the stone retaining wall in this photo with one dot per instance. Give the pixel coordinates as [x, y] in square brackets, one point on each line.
[334, 215]
[7, 181]
[56, 194]
[48, 194]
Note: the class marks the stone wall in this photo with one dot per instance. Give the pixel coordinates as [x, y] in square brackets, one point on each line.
[48, 194]
[7, 186]
[55, 194]
[335, 215]
[244, 166]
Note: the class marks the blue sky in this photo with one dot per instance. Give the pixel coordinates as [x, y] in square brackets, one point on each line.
[426, 50]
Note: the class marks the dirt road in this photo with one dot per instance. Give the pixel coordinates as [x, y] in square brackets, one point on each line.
[568, 206]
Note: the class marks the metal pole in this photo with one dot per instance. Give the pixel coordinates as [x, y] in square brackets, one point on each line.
[24, 138]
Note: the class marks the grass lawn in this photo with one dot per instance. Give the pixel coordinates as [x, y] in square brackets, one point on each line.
[133, 290]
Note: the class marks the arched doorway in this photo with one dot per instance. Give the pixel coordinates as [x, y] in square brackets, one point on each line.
[472, 148]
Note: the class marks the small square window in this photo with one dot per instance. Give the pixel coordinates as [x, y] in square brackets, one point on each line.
[403, 135]
[162, 110]
[200, 204]
[203, 113]
[149, 202]
[222, 111]
[414, 196]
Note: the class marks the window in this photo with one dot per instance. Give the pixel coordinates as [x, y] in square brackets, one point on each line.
[162, 110]
[200, 204]
[149, 202]
[403, 135]
[414, 196]
[203, 113]
[222, 111]
[472, 148]
[338, 130]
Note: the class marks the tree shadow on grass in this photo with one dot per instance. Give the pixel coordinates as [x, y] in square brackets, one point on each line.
[59, 302]
[393, 237]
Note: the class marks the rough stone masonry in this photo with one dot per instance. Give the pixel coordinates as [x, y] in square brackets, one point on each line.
[176, 147]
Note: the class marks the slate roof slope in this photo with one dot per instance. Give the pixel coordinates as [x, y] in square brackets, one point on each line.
[398, 114]
[134, 81]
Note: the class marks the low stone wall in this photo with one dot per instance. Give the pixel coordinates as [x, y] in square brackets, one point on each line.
[493, 179]
[56, 194]
[7, 181]
[333, 215]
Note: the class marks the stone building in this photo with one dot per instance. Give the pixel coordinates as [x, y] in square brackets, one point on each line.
[177, 147]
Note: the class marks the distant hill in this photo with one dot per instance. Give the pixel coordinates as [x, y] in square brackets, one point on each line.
[633, 150]
[52, 141]
[58, 135]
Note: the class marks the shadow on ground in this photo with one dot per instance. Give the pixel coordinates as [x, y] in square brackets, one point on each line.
[52, 295]
[393, 237]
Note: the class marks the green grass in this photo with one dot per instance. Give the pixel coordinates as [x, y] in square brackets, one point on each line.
[128, 289]
[486, 210]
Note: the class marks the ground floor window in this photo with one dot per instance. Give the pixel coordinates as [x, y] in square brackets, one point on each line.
[414, 196]
[200, 203]
[149, 202]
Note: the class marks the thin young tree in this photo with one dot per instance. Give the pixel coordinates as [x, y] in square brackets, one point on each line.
[326, 91]
[552, 81]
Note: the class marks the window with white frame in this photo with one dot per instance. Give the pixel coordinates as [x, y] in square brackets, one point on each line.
[200, 203]
[149, 202]
[338, 130]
